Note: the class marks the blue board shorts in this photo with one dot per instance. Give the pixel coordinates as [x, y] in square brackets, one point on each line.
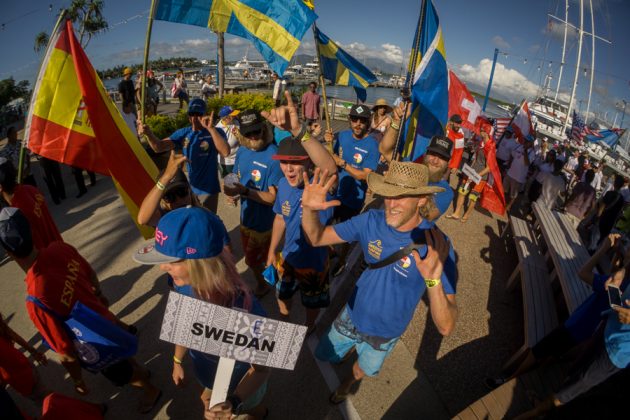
[343, 335]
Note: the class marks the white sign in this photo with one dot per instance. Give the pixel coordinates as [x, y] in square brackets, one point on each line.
[471, 174]
[213, 329]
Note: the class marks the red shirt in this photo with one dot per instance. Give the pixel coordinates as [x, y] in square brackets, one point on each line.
[457, 137]
[15, 369]
[32, 203]
[310, 100]
[59, 278]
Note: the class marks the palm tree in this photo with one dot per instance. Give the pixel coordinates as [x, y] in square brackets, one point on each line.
[41, 41]
[88, 14]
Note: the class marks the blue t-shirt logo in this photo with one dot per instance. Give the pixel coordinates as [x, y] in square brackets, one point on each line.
[256, 176]
[186, 142]
[375, 248]
[286, 208]
[358, 158]
[405, 261]
[204, 145]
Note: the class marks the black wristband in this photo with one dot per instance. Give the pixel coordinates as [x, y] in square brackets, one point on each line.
[237, 404]
[301, 133]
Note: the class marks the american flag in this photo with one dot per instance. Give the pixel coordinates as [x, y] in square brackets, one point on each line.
[578, 129]
[499, 126]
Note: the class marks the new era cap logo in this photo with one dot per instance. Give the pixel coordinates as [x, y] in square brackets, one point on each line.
[359, 109]
[160, 237]
[442, 143]
[190, 251]
[248, 119]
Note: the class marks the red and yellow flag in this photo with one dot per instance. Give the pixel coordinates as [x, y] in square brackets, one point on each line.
[73, 120]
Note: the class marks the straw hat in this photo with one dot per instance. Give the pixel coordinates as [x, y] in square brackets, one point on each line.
[127, 71]
[403, 178]
[382, 102]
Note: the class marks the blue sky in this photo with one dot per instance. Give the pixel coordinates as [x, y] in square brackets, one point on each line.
[370, 28]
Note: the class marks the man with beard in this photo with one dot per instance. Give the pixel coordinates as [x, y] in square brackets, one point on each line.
[201, 143]
[258, 176]
[407, 257]
[436, 159]
[300, 266]
[356, 154]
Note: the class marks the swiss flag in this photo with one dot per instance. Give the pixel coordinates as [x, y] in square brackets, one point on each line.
[522, 123]
[461, 102]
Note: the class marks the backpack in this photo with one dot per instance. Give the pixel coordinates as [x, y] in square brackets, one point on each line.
[99, 343]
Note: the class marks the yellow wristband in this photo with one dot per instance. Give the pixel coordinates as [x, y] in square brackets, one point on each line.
[394, 126]
[160, 186]
[432, 282]
[176, 360]
[306, 137]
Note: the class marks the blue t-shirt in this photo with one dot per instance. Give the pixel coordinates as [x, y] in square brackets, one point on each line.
[205, 365]
[297, 251]
[444, 199]
[586, 318]
[384, 299]
[617, 337]
[199, 149]
[360, 154]
[257, 171]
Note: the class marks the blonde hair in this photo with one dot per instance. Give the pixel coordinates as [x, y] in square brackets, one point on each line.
[216, 280]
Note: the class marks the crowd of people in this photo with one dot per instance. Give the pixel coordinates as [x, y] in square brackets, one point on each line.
[303, 200]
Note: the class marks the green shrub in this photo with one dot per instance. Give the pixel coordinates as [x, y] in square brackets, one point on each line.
[161, 125]
[242, 101]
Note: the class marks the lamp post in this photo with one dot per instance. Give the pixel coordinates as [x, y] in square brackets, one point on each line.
[623, 115]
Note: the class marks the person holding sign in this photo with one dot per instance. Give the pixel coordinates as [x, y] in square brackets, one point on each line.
[300, 265]
[189, 245]
[472, 183]
[57, 279]
[406, 257]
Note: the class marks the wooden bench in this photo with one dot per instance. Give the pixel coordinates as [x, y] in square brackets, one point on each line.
[539, 310]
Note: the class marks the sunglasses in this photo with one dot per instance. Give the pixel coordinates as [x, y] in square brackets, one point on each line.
[195, 114]
[254, 134]
[355, 119]
[175, 193]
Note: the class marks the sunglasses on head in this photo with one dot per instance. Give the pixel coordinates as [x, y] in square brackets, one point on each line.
[175, 193]
[355, 119]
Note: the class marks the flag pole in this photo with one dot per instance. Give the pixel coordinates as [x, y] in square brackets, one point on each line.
[322, 82]
[498, 142]
[145, 61]
[22, 157]
[411, 70]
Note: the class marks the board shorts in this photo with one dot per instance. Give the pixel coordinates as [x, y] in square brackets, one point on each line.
[312, 284]
[255, 246]
[342, 336]
[475, 193]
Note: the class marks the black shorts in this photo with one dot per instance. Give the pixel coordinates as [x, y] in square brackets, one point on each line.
[554, 344]
[119, 373]
[343, 213]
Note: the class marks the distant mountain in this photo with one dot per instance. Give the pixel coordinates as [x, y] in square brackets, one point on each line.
[374, 64]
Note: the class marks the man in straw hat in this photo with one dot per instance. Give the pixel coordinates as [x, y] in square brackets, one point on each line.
[406, 256]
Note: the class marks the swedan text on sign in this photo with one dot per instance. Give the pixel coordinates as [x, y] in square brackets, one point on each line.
[225, 332]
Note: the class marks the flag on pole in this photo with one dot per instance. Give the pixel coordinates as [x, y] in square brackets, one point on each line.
[500, 124]
[341, 68]
[578, 127]
[275, 27]
[461, 101]
[429, 91]
[522, 123]
[73, 120]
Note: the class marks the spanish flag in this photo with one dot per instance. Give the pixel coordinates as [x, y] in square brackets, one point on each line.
[72, 120]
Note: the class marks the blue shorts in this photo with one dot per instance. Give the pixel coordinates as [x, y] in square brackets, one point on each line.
[343, 335]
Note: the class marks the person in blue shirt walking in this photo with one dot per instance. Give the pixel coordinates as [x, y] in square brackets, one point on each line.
[258, 176]
[201, 143]
[300, 265]
[356, 154]
[385, 297]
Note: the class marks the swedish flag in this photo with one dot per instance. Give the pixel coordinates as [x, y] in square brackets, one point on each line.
[429, 92]
[275, 27]
[341, 68]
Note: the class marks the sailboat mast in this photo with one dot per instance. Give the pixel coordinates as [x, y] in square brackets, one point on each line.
[590, 87]
[577, 68]
[564, 45]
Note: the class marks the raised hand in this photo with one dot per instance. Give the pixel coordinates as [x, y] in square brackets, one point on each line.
[175, 162]
[285, 117]
[314, 196]
[432, 265]
[207, 121]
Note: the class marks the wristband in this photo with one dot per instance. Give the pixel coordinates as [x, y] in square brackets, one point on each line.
[306, 137]
[160, 186]
[343, 165]
[432, 282]
[302, 133]
[394, 126]
[176, 360]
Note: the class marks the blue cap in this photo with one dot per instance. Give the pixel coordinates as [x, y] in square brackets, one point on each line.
[227, 110]
[197, 106]
[184, 234]
[529, 137]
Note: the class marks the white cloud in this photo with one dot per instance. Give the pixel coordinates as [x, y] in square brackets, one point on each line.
[501, 43]
[507, 83]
